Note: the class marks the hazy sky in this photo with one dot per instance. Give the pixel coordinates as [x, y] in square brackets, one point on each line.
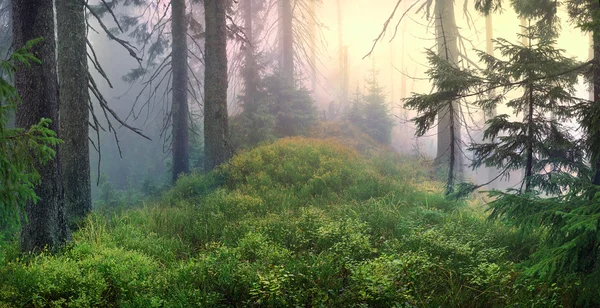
[364, 19]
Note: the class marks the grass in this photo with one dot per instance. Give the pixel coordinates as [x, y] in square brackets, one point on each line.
[300, 222]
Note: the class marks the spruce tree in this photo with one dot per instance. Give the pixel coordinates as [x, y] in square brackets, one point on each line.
[370, 112]
[534, 138]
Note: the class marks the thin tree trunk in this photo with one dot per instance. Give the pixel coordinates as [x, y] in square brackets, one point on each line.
[216, 127]
[45, 224]
[180, 111]
[448, 150]
[250, 73]
[287, 41]
[313, 45]
[596, 99]
[74, 100]
[489, 48]
[530, 140]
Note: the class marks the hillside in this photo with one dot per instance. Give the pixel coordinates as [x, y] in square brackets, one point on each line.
[299, 222]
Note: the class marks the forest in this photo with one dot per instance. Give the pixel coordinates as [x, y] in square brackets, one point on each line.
[299, 153]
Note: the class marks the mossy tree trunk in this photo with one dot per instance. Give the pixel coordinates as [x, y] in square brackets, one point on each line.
[216, 127]
[37, 85]
[179, 106]
[74, 100]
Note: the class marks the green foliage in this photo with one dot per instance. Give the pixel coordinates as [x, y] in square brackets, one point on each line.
[370, 113]
[264, 232]
[569, 224]
[21, 149]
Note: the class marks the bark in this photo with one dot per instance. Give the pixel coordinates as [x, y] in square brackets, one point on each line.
[216, 128]
[287, 41]
[45, 224]
[74, 99]
[179, 107]
[448, 145]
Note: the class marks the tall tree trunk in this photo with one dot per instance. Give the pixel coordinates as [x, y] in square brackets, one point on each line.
[216, 128]
[250, 74]
[37, 85]
[530, 141]
[74, 100]
[287, 41]
[313, 45]
[596, 105]
[489, 48]
[448, 145]
[179, 107]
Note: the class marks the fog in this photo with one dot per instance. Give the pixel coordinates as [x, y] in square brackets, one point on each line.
[400, 60]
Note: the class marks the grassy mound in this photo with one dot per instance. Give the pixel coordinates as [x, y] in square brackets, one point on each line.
[300, 222]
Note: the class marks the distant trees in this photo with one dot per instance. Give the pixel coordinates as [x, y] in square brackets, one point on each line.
[37, 85]
[370, 112]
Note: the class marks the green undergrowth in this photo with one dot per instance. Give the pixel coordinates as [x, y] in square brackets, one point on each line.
[300, 222]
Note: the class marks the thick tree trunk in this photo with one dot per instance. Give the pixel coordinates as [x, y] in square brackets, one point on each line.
[216, 128]
[45, 224]
[179, 106]
[448, 145]
[287, 41]
[74, 100]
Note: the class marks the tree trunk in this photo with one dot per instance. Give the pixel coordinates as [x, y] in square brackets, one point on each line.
[45, 224]
[287, 41]
[250, 73]
[489, 48]
[448, 145]
[216, 128]
[313, 45]
[530, 141]
[74, 100]
[179, 106]
[596, 89]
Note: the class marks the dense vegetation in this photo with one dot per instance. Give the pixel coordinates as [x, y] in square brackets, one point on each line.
[299, 222]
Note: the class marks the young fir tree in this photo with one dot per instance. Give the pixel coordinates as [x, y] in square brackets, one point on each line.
[370, 112]
[534, 140]
[451, 84]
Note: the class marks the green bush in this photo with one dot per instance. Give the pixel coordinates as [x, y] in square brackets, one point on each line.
[299, 222]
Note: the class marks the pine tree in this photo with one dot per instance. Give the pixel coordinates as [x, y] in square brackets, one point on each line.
[538, 143]
[370, 112]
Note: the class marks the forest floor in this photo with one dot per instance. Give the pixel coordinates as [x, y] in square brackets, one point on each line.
[299, 222]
